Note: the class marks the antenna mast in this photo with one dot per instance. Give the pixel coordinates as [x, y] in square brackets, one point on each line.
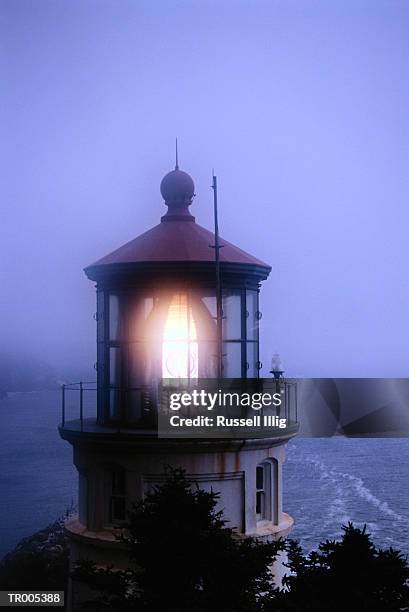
[176, 155]
[219, 308]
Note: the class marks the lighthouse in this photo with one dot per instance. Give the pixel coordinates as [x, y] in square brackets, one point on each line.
[156, 318]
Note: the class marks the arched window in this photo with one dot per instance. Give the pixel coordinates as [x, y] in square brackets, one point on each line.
[263, 491]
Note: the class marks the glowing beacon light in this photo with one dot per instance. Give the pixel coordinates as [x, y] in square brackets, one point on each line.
[180, 347]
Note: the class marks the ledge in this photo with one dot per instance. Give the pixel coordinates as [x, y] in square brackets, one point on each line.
[90, 433]
[108, 537]
[268, 528]
[77, 531]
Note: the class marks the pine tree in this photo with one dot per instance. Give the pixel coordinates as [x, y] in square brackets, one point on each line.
[185, 558]
[350, 574]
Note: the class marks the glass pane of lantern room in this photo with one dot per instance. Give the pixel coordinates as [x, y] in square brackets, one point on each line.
[252, 360]
[100, 316]
[210, 302]
[207, 360]
[114, 366]
[232, 360]
[252, 315]
[137, 365]
[231, 316]
[139, 309]
[115, 303]
[204, 311]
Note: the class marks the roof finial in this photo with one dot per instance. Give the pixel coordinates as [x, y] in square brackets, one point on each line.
[177, 157]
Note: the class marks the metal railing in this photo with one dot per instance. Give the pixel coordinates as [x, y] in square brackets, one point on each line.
[83, 392]
[232, 390]
[79, 400]
[290, 401]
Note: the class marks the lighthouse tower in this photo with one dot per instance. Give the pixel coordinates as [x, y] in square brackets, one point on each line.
[156, 303]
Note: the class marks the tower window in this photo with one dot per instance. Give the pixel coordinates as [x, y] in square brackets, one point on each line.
[260, 492]
[263, 491]
[117, 500]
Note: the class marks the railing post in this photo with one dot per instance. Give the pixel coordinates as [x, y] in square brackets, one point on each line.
[63, 405]
[81, 405]
[296, 403]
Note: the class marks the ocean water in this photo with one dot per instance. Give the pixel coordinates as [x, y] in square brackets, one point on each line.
[330, 481]
[38, 481]
[327, 482]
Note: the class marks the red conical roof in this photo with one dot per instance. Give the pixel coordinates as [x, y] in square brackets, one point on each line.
[177, 238]
[177, 241]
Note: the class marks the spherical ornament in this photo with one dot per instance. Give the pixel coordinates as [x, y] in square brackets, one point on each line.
[177, 187]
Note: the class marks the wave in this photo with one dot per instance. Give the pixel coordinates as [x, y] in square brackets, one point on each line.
[342, 484]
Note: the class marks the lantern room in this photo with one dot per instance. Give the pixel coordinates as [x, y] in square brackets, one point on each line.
[157, 310]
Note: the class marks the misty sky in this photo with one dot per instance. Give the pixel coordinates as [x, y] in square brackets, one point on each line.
[301, 107]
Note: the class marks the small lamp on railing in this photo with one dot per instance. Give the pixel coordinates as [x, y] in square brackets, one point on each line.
[277, 372]
[276, 367]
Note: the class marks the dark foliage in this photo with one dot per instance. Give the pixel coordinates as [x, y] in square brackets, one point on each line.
[39, 562]
[351, 574]
[188, 559]
[185, 558]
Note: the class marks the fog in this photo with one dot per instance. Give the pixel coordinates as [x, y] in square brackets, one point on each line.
[301, 108]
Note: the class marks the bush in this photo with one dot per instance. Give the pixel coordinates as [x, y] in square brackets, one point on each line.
[185, 557]
[351, 574]
[39, 562]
